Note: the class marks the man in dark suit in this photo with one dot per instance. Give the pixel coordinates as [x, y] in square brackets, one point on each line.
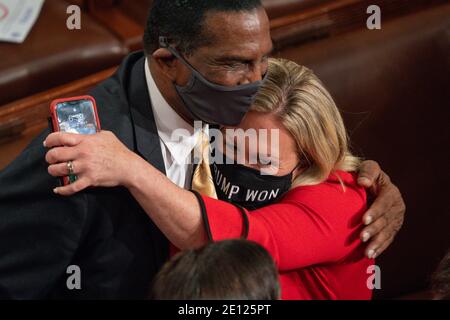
[104, 231]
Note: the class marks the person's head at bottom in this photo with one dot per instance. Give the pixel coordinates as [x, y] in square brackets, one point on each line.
[441, 280]
[224, 270]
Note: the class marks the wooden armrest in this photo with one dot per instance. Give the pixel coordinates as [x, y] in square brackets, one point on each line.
[114, 19]
[335, 17]
[22, 120]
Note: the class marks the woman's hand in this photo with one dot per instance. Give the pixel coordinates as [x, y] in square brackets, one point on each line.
[99, 160]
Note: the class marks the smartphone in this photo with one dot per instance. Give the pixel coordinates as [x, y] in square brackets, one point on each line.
[74, 115]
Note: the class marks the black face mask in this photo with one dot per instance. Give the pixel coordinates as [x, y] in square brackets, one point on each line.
[247, 187]
[213, 103]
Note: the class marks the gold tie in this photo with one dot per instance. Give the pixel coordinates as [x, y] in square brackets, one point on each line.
[202, 180]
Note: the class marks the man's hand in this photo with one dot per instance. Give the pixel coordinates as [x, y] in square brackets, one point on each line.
[385, 217]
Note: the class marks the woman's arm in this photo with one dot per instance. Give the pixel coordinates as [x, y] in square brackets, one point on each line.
[298, 233]
[174, 210]
[102, 160]
[310, 226]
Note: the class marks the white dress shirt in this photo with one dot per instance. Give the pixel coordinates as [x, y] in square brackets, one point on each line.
[176, 150]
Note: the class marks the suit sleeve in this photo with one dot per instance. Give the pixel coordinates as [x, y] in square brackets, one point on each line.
[311, 225]
[39, 231]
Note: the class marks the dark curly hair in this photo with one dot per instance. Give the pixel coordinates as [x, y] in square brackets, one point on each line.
[181, 21]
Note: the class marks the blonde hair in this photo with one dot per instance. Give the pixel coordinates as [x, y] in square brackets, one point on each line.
[298, 98]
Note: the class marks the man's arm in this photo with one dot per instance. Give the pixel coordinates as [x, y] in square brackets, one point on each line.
[39, 232]
[385, 217]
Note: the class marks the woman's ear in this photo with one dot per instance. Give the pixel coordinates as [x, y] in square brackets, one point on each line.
[167, 63]
[297, 172]
[302, 165]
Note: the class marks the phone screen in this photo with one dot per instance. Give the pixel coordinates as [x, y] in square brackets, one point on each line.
[76, 117]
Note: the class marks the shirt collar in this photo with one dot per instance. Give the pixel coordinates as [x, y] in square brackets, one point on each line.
[177, 135]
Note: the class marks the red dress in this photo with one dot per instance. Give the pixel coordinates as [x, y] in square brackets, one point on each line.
[312, 234]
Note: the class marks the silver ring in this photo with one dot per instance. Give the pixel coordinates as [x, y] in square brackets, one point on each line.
[70, 167]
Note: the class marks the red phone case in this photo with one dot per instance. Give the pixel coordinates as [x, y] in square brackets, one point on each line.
[57, 101]
[54, 117]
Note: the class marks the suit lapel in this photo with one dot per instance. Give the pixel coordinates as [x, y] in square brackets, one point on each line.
[147, 140]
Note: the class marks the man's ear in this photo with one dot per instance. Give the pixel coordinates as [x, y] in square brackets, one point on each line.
[166, 62]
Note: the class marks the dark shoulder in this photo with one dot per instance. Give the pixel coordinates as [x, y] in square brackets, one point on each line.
[112, 97]
[112, 104]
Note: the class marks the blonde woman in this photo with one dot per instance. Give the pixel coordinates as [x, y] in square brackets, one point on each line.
[310, 227]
